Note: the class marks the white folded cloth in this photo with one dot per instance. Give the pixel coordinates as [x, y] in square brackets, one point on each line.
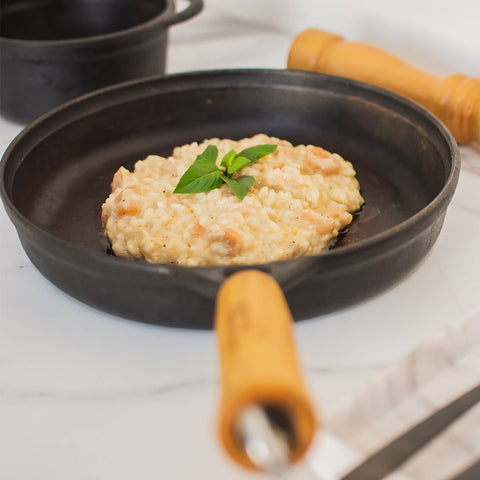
[425, 380]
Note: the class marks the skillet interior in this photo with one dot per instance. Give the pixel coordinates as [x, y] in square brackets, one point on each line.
[57, 174]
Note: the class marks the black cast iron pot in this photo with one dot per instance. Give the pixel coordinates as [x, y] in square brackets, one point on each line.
[56, 174]
[55, 50]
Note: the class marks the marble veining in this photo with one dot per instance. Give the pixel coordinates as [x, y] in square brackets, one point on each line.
[85, 395]
[15, 394]
[470, 158]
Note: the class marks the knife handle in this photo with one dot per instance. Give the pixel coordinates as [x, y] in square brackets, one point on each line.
[258, 364]
[455, 99]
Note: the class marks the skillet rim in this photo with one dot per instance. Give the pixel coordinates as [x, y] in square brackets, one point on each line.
[106, 97]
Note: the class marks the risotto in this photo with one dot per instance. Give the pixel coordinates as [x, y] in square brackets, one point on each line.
[301, 198]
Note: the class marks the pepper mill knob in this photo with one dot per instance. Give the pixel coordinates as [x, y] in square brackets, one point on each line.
[455, 100]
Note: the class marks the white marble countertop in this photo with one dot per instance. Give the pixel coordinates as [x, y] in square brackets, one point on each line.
[85, 395]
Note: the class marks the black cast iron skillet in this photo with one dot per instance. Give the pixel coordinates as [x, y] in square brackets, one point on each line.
[57, 173]
[52, 51]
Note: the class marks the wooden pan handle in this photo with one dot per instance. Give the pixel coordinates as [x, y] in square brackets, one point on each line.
[455, 99]
[258, 361]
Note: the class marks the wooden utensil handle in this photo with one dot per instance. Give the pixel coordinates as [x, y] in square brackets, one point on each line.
[454, 99]
[258, 361]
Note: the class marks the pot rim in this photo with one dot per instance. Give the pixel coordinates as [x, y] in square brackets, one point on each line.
[165, 18]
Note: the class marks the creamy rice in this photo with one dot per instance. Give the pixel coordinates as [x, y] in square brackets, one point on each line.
[301, 198]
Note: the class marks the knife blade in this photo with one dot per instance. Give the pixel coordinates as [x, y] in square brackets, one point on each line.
[470, 473]
[394, 454]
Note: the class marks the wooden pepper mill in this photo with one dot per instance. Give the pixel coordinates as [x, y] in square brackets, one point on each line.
[455, 100]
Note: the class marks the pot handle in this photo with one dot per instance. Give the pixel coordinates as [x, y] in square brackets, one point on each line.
[263, 396]
[195, 7]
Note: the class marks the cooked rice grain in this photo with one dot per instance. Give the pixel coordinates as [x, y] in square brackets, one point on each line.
[302, 197]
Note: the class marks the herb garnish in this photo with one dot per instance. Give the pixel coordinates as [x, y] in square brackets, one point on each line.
[204, 175]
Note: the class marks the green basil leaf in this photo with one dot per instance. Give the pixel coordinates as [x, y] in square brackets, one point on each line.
[228, 158]
[239, 186]
[237, 164]
[257, 151]
[205, 183]
[202, 175]
[210, 153]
